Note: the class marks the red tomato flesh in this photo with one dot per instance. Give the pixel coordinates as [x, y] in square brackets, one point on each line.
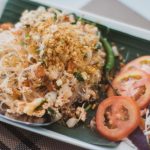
[117, 117]
[142, 63]
[135, 84]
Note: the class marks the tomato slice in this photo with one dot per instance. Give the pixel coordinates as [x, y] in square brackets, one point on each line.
[6, 26]
[135, 84]
[117, 117]
[142, 63]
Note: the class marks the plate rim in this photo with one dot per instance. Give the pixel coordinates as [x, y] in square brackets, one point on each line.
[110, 23]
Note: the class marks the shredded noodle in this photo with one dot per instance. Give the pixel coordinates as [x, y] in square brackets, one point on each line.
[49, 62]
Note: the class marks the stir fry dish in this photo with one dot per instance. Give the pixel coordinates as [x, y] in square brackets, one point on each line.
[50, 64]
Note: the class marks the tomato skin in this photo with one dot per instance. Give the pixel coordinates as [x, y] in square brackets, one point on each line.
[137, 64]
[144, 99]
[124, 127]
[142, 124]
[6, 26]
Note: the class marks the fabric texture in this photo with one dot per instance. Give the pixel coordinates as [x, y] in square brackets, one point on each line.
[12, 138]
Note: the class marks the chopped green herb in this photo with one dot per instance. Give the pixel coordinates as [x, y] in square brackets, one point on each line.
[27, 36]
[50, 111]
[55, 16]
[40, 106]
[84, 21]
[73, 22]
[98, 46]
[22, 43]
[75, 18]
[88, 107]
[78, 75]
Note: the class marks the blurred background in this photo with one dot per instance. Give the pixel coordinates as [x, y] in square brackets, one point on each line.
[133, 12]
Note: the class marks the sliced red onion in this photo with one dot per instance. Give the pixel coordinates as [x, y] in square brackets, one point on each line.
[139, 139]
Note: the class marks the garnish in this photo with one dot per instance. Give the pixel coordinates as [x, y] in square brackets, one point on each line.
[79, 76]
